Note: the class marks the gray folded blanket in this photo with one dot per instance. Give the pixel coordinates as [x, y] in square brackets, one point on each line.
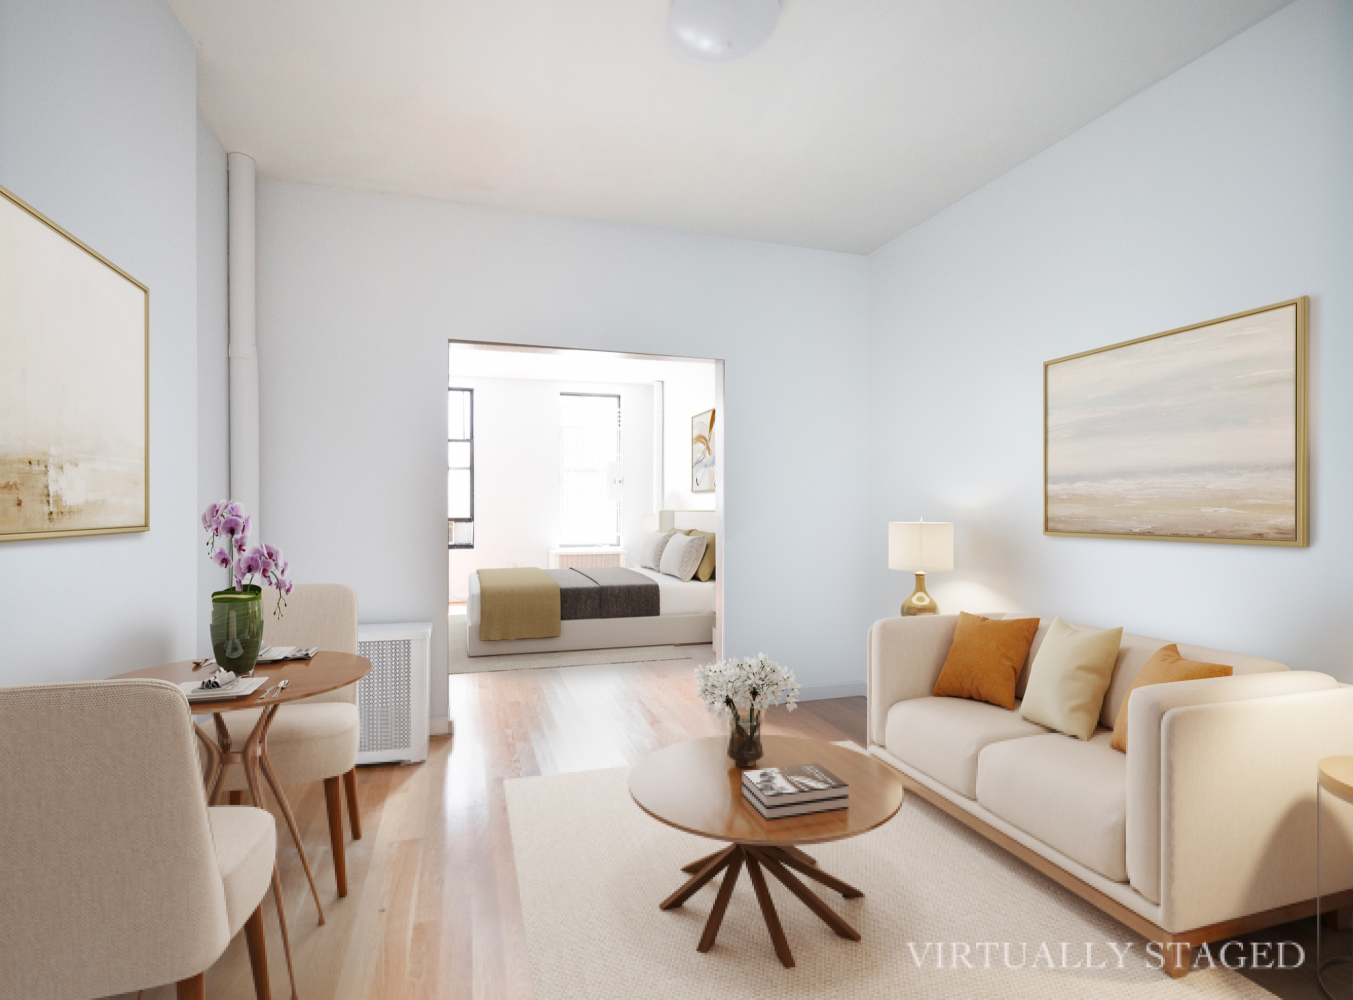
[605, 592]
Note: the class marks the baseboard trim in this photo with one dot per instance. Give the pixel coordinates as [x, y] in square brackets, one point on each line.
[821, 692]
[439, 725]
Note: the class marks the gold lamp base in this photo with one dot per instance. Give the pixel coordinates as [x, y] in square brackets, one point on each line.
[920, 602]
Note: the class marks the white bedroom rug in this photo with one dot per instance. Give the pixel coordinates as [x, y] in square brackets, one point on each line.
[592, 869]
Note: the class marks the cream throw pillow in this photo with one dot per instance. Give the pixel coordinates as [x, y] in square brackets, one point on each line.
[651, 547]
[1069, 678]
[682, 556]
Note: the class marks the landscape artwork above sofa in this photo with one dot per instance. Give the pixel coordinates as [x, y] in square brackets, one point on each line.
[1194, 434]
[73, 376]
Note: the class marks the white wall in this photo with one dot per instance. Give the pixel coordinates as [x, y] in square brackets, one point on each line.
[98, 124]
[213, 367]
[686, 391]
[358, 294]
[517, 461]
[1224, 187]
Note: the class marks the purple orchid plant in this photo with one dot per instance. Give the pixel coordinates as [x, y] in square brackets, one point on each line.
[227, 527]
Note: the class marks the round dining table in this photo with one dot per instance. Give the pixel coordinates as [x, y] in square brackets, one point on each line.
[324, 672]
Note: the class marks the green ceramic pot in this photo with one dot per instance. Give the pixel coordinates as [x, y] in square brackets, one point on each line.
[237, 628]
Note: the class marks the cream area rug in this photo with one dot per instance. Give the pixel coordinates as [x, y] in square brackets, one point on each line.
[458, 661]
[592, 869]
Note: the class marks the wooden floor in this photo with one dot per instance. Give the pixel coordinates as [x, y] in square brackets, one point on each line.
[432, 909]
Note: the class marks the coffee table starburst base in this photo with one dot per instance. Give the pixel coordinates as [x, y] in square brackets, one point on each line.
[781, 862]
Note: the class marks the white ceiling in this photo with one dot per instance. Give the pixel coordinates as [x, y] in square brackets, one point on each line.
[856, 121]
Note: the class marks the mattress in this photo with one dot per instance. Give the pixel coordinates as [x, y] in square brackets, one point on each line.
[676, 597]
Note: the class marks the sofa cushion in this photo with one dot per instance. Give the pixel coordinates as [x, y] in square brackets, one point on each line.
[1133, 652]
[943, 736]
[1070, 794]
[985, 658]
[1069, 677]
[1166, 666]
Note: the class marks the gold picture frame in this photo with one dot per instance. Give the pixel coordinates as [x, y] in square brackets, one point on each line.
[1132, 449]
[75, 335]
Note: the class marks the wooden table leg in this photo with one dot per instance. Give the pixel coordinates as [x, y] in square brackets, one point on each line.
[806, 896]
[715, 865]
[282, 921]
[695, 866]
[803, 856]
[815, 873]
[256, 754]
[730, 879]
[777, 933]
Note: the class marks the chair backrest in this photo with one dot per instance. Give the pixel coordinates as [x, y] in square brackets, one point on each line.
[108, 877]
[316, 614]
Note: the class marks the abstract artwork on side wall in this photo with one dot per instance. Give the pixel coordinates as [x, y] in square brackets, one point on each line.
[702, 452]
[74, 342]
[1196, 434]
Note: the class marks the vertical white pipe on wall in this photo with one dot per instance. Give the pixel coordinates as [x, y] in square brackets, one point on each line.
[244, 423]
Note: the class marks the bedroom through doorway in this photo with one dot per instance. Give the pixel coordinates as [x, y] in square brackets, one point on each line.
[584, 507]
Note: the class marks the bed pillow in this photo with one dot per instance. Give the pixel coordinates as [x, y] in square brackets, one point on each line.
[985, 659]
[682, 556]
[705, 571]
[1069, 677]
[651, 546]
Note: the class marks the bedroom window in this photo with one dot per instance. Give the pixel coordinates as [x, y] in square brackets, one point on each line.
[590, 469]
[460, 469]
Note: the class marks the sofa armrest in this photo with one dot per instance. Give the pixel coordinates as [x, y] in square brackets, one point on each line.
[1221, 793]
[905, 657]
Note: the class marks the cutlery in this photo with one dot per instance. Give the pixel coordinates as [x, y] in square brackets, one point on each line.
[280, 688]
[268, 692]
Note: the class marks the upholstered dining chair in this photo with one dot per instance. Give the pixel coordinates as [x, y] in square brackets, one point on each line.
[115, 875]
[314, 739]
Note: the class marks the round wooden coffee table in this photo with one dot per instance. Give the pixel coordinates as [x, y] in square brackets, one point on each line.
[694, 787]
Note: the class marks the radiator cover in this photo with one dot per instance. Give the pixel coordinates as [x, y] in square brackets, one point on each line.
[392, 700]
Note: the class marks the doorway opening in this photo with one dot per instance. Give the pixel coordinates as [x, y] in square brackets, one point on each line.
[583, 468]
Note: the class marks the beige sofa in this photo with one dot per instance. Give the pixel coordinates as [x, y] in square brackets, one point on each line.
[1203, 830]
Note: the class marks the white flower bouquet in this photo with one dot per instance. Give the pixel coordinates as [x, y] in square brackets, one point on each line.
[740, 690]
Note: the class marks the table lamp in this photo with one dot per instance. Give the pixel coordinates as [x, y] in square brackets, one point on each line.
[920, 547]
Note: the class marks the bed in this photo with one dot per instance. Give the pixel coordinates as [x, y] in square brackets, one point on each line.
[685, 611]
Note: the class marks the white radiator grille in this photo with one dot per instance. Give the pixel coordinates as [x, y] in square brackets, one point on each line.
[383, 696]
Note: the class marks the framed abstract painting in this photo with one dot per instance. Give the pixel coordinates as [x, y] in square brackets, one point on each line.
[74, 399]
[702, 452]
[1196, 434]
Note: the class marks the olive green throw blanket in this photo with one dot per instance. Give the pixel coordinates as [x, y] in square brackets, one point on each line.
[518, 603]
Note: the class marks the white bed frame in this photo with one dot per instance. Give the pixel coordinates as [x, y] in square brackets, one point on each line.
[614, 633]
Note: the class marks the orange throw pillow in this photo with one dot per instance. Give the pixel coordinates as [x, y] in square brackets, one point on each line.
[1165, 665]
[985, 659]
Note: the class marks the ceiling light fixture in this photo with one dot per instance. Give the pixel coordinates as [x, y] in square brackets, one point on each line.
[719, 30]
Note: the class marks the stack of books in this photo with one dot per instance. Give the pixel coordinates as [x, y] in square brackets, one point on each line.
[776, 792]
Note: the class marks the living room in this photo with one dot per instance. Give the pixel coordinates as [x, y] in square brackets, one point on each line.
[884, 220]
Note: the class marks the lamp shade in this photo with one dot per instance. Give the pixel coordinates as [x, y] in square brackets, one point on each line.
[920, 546]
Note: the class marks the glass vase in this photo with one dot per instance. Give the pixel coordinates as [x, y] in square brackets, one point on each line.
[744, 739]
[237, 628]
